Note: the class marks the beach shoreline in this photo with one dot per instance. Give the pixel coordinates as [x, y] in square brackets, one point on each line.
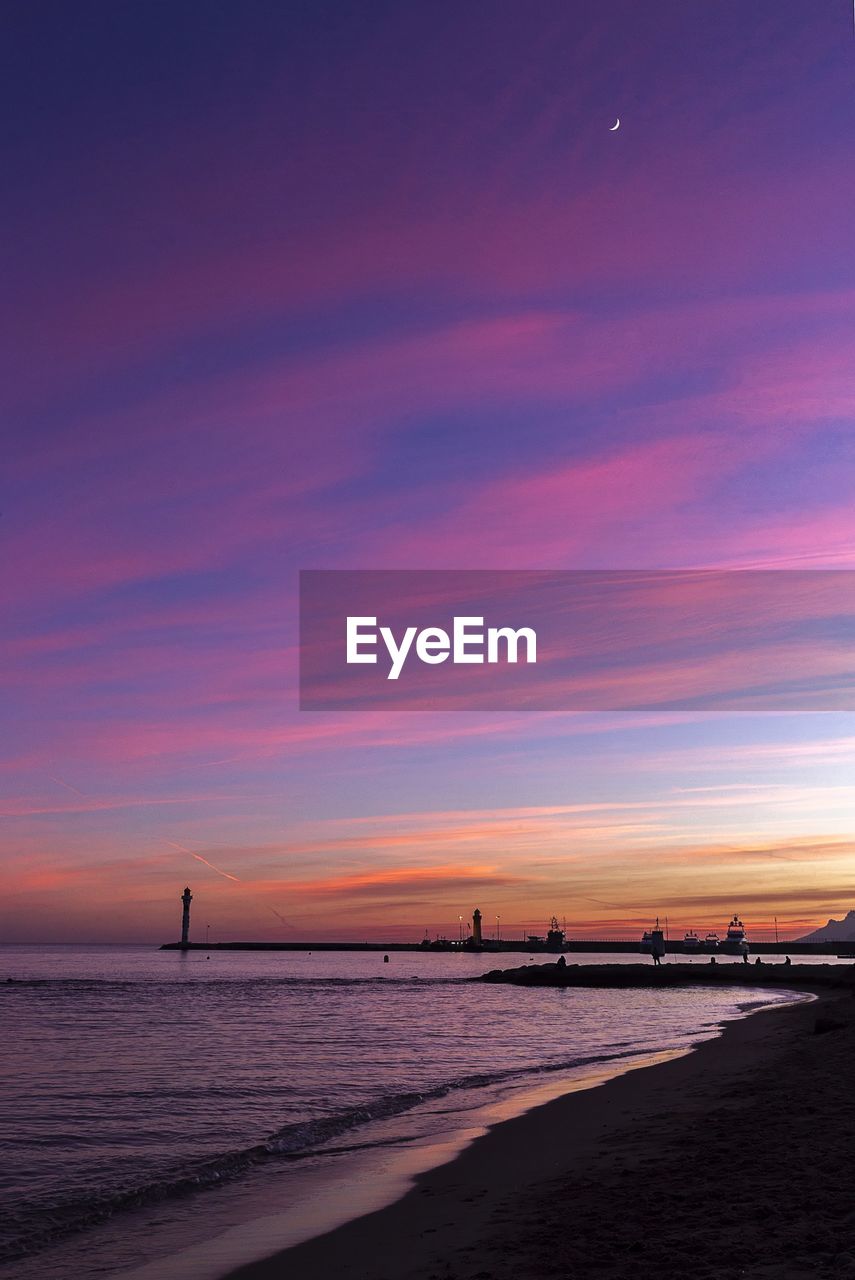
[641, 1140]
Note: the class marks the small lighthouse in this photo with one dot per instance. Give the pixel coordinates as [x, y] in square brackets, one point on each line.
[476, 927]
[186, 898]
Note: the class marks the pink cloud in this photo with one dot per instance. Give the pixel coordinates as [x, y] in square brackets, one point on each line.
[509, 246]
[563, 515]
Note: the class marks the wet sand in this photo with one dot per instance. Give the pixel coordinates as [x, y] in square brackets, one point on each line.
[733, 1161]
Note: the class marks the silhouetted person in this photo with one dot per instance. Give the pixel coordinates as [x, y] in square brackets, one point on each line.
[561, 963]
[656, 958]
[787, 960]
[758, 961]
[745, 957]
[712, 959]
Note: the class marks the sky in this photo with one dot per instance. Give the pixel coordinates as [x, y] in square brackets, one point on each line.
[333, 285]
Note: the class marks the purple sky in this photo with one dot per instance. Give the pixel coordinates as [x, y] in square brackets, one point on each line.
[347, 286]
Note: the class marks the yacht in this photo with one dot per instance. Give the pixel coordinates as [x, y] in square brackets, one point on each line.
[691, 941]
[735, 942]
[653, 942]
[710, 942]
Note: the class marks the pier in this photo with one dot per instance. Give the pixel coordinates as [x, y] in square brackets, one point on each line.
[555, 942]
[572, 946]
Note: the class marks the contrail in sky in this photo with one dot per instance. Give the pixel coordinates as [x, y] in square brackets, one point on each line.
[287, 923]
[67, 785]
[226, 874]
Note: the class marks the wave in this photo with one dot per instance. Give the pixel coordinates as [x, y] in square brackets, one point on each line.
[121, 984]
[38, 1224]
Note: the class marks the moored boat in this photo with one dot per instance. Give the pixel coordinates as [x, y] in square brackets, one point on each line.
[735, 942]
[653, 942]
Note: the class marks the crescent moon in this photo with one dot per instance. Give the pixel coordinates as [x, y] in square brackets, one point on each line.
[616, 125]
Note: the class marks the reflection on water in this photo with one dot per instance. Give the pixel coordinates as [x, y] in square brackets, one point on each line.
[137, 1078]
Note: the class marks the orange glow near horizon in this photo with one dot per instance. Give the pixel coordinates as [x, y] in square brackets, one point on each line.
[608, 868]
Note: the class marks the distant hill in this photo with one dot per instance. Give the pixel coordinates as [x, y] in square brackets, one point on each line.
[835, 931]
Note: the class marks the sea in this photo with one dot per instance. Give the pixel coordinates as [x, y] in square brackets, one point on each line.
[170, 1115]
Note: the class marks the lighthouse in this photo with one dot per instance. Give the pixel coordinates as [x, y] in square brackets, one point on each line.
[476, 927]
[186, 898]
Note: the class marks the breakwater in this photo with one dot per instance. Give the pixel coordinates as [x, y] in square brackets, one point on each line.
[627, 976]
[572, 946]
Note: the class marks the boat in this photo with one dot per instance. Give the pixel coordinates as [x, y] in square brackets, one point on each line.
[438, 943]
[653, 942]
[710, 942]
[555, 936]
[691, 941]
[735, 942]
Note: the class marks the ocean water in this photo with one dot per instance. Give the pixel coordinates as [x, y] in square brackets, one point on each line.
[153, 1102]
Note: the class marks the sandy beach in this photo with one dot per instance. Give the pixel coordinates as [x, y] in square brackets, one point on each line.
[732, 1161]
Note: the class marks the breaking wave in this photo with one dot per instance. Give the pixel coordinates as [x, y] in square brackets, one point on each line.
[39, 1223]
